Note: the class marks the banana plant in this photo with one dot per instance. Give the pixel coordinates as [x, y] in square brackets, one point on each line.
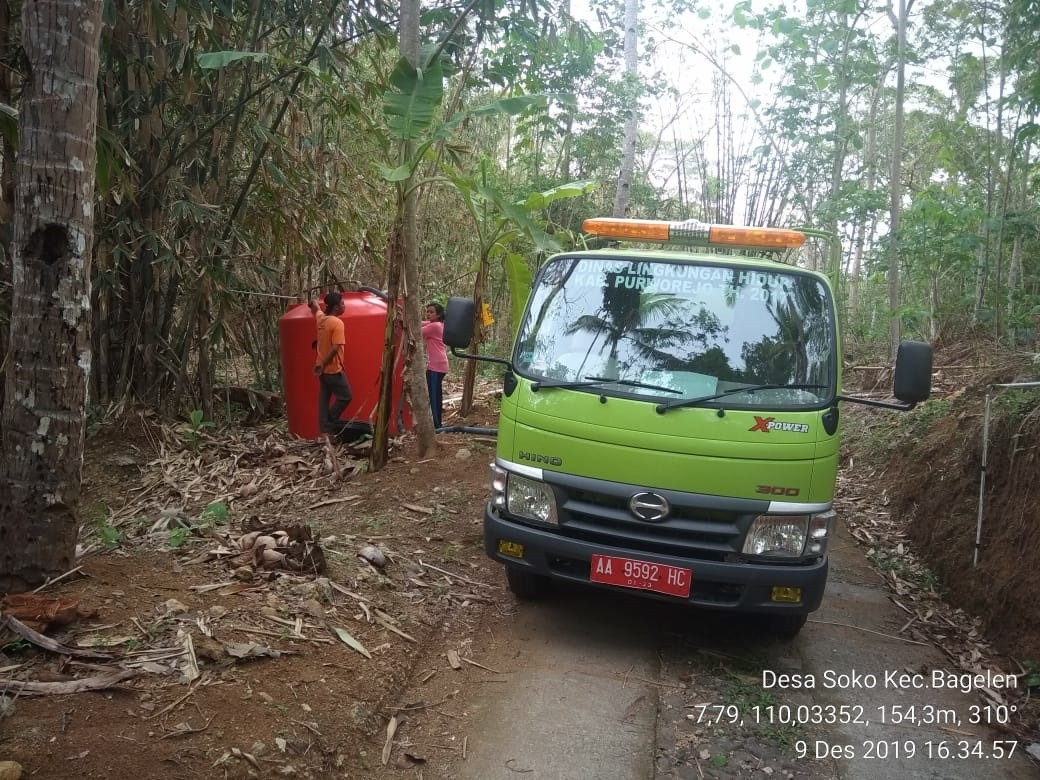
[412, 105]
[499, 222]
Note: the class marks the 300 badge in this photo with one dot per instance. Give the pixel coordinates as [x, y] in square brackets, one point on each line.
[777, 490]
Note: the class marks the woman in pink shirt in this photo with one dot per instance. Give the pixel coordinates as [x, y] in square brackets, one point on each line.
[436, 358]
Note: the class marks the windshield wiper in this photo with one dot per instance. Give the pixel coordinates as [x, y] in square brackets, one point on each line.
[633, 383]
[589, 381]
[536, 386]
[662, 408]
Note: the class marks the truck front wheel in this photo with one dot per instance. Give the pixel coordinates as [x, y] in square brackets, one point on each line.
[524, 584]
[785, 626]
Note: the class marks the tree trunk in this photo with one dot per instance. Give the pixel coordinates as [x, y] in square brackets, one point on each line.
[895, 184]
[1014, 276]
[414, 346]
[8, 50]
[415, 349]
[870, 157]
[469, 378]
[403, 263]
[628, 143]
[994, 168]
[49, 363]
[379, 455]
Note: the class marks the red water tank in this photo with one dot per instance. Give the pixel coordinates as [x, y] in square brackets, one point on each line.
[364, 320]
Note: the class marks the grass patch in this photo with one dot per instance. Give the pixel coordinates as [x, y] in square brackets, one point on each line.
[910, 571]
[770, 720]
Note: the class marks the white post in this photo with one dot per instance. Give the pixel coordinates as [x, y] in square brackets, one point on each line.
[982, 475]
[985, 454]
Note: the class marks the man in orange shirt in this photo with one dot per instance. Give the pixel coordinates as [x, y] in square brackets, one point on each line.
[328, 366]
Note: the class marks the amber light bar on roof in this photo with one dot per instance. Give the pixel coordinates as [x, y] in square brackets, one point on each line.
[693, 232]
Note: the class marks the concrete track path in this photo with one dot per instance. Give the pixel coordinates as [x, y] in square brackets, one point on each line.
[596, 686]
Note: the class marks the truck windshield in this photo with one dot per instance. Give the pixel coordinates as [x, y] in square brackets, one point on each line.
[675, 331]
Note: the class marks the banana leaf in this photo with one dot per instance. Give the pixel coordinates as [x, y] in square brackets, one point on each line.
[413, 99]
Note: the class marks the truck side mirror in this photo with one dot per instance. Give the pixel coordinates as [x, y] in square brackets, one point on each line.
[913, 379]
[458, 322]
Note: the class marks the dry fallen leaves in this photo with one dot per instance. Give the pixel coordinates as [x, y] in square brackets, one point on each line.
[930, 619]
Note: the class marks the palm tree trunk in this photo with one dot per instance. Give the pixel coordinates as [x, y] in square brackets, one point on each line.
[49, 363]
[8, 49]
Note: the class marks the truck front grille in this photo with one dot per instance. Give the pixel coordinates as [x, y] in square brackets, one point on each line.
[603, 517]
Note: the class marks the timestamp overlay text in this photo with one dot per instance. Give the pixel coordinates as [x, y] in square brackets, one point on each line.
[896, 717]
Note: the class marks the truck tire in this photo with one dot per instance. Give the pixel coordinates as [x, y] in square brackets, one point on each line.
[785, 626]
[524, 584]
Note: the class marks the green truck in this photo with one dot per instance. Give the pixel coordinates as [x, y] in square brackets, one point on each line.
[670, 420]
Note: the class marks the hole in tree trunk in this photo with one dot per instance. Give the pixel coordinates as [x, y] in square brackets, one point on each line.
[50, 244]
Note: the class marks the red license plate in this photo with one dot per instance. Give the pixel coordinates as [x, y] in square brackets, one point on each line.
[630, 573]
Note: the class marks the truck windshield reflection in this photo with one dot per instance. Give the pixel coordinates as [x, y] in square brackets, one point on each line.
[687, 333]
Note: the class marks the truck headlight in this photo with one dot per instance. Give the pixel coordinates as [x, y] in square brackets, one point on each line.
[530, 499]
[782, 536]
[788, 536]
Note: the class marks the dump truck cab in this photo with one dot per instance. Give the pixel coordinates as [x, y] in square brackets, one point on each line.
[670, 423]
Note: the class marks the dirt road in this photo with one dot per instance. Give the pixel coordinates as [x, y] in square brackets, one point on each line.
[589, 685]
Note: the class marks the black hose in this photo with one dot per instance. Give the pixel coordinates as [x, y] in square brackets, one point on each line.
[468, 429]
[374, 291]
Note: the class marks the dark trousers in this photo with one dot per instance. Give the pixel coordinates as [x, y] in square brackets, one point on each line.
[332, 386]
[434, 383]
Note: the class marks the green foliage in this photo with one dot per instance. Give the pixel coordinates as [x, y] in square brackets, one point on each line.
[414, 96]
[500, 223]
[537, 201]
[1017, 404]
[910, 571]
[192, 430]
[884, 436]
[238, 142]
[1032, 674]
[1023, 41]
[214, 60]
[410, 106]
[215, 513]
[519, 278]
[926, 417]
[747, 695]
[374, 523]
[178, 536]
[109, 535]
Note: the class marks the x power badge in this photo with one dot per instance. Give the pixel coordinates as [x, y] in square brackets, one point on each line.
[767, 424]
